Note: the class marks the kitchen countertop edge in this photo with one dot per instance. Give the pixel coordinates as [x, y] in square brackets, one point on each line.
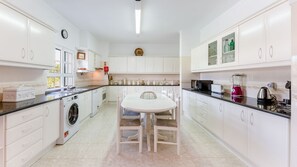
[244, 105]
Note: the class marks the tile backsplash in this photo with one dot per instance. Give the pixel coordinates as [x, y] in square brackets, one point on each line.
[254, 79]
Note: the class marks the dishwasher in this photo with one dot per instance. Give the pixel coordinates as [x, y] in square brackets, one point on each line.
[96, 101]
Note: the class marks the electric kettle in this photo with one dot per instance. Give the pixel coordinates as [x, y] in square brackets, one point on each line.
[264, 96]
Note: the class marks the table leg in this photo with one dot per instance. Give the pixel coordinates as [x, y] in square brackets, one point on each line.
[148, 130]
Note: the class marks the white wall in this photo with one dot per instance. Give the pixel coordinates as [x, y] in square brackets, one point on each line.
[149, 49]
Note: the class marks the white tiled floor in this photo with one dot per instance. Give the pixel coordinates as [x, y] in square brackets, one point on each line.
[94, 146]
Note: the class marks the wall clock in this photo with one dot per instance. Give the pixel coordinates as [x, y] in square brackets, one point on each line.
[138, 52]
[64, 34]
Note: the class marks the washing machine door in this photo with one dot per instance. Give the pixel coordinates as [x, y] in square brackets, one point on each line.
[73, 114]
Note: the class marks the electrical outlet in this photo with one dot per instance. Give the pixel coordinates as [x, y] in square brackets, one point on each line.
[271, 85]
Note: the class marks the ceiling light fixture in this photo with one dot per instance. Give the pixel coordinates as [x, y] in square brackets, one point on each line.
[137, 16]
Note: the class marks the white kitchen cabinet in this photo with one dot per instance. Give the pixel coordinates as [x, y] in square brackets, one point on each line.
[252, 41]
[14, 37]
[228, 53]
[135, 65]
[85, 105]
[25, 42]
[235, 127]
[91, 61]
[215, 116]
[114, 92]
[213, 48]
[51, 122]
[117, 65]
[154, 65]
[185, 100]
[266, 38]
[203, 56]
[41, 45]
[278, 23]
[268, 139]
[171, 65]
[2, 139]
[23, 130]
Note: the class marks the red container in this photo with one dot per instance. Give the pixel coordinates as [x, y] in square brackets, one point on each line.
[236, 91]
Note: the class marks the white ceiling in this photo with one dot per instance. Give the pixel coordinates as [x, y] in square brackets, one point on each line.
[113, 20]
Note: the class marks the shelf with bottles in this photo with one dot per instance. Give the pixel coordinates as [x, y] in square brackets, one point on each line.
[228, 48]
[212, 53]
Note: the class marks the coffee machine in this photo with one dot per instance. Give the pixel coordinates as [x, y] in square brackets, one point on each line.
[237, 80]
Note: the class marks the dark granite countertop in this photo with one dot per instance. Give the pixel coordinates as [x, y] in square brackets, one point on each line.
[243, 101]
[144, 85]
[10, 107]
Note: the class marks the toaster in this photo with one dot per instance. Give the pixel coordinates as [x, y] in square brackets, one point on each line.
[216, 88]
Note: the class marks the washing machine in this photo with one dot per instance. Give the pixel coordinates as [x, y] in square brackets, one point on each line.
[69, 123]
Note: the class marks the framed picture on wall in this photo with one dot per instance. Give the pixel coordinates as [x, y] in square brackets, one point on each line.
[81, 56]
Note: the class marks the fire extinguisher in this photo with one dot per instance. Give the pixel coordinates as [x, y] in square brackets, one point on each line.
[106, 68]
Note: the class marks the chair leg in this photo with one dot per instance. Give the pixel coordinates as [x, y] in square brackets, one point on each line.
[140, 139]
[118, 140]
[178, 142]
[155, 138]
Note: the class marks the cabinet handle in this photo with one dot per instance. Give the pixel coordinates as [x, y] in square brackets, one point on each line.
[242, 116]
[271, 51]
[32, 55]
[260, 53]
[23, 53]
[252, 119]
[26, 116]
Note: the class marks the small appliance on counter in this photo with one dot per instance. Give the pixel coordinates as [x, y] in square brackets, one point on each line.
[194, 84]
[288, 86]
[17, 94]
[264, 96]
[216, 88]
[237, 80]
[204, 85]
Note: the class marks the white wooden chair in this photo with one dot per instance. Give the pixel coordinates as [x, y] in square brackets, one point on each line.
[168, 125]
[166, 114]
[127, 124]
[127, 114]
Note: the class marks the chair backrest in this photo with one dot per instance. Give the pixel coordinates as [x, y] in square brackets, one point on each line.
[177, 111]
[148, 95]
[119, 110]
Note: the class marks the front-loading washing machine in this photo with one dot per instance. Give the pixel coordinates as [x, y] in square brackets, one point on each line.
[69, 123]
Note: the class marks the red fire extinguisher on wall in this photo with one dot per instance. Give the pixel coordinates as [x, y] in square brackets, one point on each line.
[106, 68]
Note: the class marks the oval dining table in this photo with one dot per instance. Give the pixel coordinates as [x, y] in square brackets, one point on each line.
[133, 102]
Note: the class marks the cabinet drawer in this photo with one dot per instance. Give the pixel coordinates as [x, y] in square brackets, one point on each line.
[25, 156]
[21, 145]
[15, 119]
[20, 131]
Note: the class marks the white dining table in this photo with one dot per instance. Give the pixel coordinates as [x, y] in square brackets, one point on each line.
[133, 102]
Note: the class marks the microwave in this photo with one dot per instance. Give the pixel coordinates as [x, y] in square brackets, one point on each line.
[204, 85]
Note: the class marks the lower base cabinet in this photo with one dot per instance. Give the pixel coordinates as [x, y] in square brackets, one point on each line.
[85, 105]
[29, 132]
[258, 137]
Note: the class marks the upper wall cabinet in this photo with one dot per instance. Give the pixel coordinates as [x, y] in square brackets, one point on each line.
[266, 38]
[24, 42]
[144, 65]
[261, 41]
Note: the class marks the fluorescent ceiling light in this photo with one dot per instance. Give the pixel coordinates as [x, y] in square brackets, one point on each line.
[137, 16]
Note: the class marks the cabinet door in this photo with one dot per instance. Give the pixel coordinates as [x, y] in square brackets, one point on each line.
[229, 48]
[113, 93]
[171, 65]
[268, 139]
[215, 116]
[140, 62]
[158, 64]
[91, 61]
[252, 41]
[132, 65]
[212, 53]
[51, 123]
[149, 64]
[13, 41]
[41, 45]
[118, 65]
[278, 22]
[235, 127]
